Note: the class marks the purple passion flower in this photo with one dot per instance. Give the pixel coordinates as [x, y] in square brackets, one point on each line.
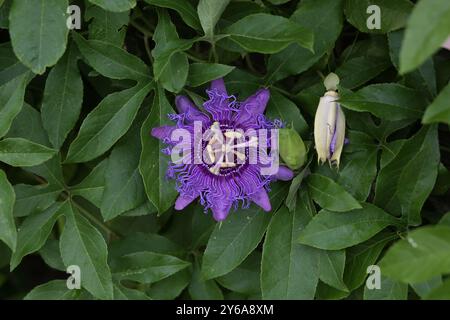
[221, 161]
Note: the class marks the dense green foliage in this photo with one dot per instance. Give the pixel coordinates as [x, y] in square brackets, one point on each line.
[83, 183]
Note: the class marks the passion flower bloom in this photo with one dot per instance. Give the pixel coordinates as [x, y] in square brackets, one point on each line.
[329, 128]
[228, 177]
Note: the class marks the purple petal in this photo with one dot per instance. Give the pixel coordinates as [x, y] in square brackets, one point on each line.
[162, 132]
[258, 101]
[183, 201]
[184, 105]
[219, 85]
[284, 174]
[253, 106]
[262, 199]
[220, 209]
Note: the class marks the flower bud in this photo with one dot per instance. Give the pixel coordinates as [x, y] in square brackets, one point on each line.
[292, 148]
[329, 128]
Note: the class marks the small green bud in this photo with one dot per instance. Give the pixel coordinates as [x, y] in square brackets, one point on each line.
[292, 148]
[331, 82]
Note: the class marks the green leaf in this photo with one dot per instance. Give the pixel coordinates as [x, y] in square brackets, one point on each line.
[424, 78]
[357, 71]
[53, 290]
[171, 65]
[147, 267]
[116, 5]
[405, 182]
[440, 293]
[329, 195]
[123, 293]
[28, 125]
[124, 189]
[421, 255]
[33, 199]
[246, 277]
[10, 66]
[427, 29]
[282, 108]
[175, 72]
[11, 101]
[289, 270]
[139, 242]
[34, 231]
[92, 187]
[389, 101]
[359, 257]
[201, 289]
[201, 73]
[51, 255]
[5, 6]
[392, 14]
[291, 199]
[107, 26]
[42, 40]
[325, 292]
[83, 245]
[389, 290]
[143, 209]
[63, 96]
[334, 231]
[19, 152]
[439, 110]
[107, 123]
[184, 8]
[153, 163]
[170, 287]
[359, 172]
[331, 268]
[236, 237]
[252, 34]
[8, 233]
[111, 61]
[209, 12]
[324, 19]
